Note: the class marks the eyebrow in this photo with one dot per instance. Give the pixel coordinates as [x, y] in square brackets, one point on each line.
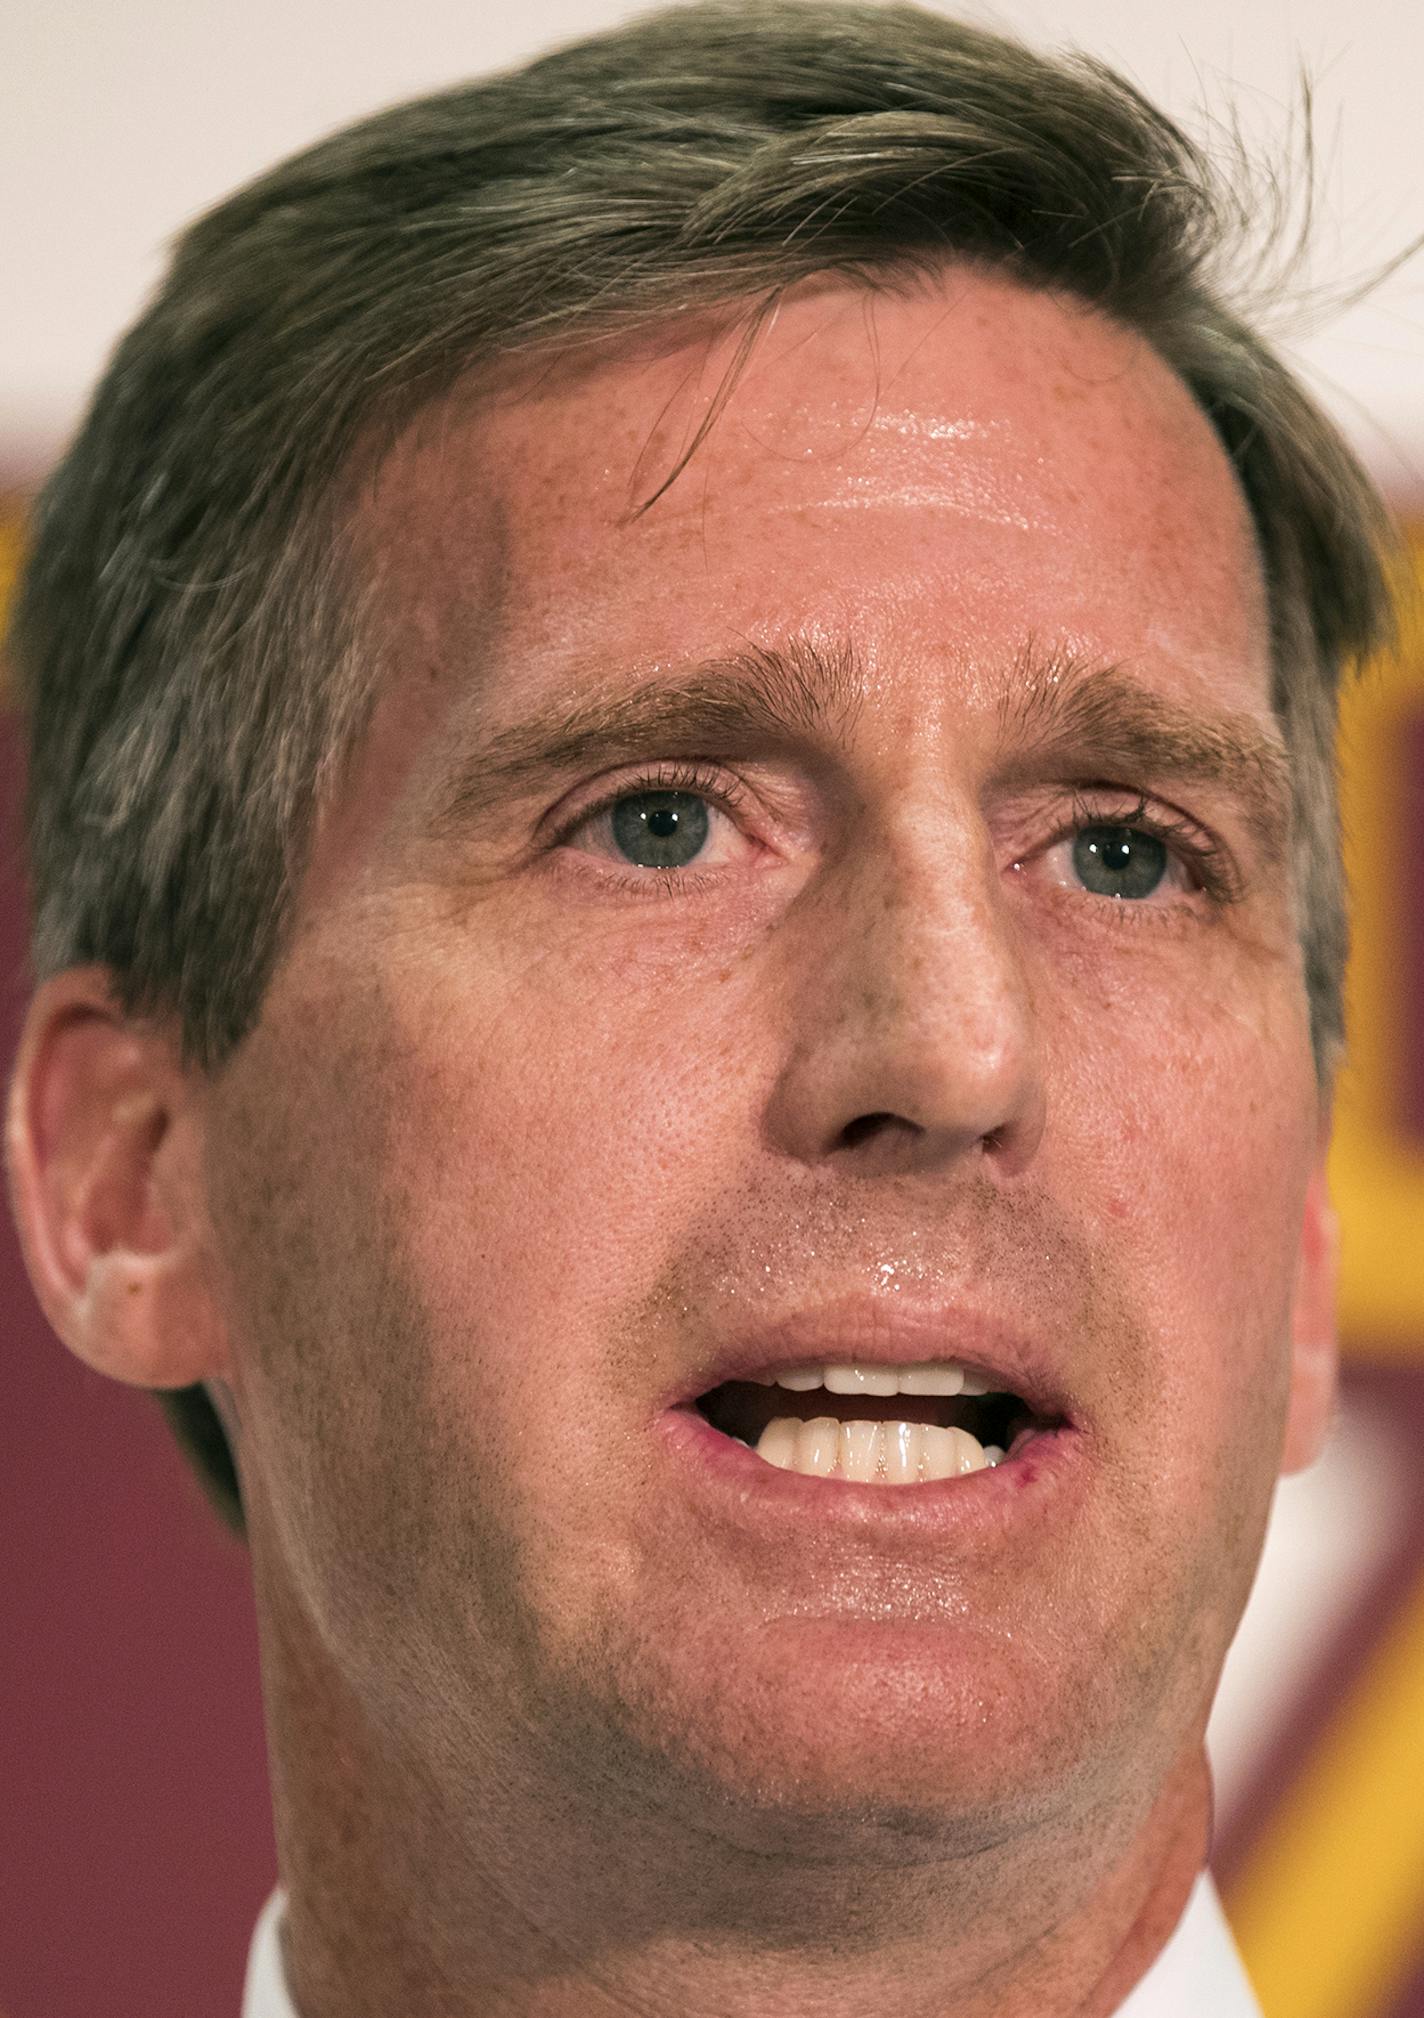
[763, 696]
[1060, 716]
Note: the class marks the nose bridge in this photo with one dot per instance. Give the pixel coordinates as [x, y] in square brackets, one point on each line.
[941, 968]
[916, 1013]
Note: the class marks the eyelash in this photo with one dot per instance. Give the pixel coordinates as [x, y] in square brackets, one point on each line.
[1207, 860]
[671, 776]
[1204, 856]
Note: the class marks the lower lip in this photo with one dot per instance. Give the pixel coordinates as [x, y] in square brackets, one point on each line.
[1038, 1481]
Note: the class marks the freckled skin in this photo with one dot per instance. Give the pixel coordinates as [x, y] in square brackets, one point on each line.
[507, 1149]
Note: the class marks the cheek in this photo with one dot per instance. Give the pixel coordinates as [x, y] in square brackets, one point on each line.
[1193, 1134]
[1182, 1148]
[338, 1452]
[507, 1159]
[1181, 1074]
[436, 1210]
[552, 1128]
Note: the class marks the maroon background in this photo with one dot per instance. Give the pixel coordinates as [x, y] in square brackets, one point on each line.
[135, 1839]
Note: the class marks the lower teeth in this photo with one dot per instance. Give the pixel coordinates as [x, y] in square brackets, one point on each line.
[873, 1453]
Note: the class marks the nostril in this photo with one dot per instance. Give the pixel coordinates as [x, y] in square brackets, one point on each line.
[866, 1125]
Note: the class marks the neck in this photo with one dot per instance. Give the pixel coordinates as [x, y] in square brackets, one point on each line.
[517, 1902]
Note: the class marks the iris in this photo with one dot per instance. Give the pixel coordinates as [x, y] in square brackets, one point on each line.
[660, 830]
[1119, 861]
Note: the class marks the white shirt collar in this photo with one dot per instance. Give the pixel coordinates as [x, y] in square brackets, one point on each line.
[1198, 1970]
[266, 1993]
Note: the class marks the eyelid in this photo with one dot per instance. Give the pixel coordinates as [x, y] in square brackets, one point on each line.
[680, 774]
[1097, 803]
[1202, 851]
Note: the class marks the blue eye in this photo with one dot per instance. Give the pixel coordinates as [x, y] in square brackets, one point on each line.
[660, 830]
[1119, 861]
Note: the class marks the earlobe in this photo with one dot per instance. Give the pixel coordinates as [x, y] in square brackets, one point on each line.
[1314, 1347]
[99, 1138]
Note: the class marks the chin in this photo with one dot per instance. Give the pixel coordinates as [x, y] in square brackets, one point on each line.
[863, 1741]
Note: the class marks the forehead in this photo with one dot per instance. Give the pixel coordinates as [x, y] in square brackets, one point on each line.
[941, 476]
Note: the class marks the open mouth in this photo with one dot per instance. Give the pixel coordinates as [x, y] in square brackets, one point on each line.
[831, 1423]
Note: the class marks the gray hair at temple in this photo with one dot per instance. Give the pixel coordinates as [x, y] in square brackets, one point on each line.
[188, 634]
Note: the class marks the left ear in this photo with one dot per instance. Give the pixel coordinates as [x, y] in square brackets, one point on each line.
[1315, 1357]
[103, 1139]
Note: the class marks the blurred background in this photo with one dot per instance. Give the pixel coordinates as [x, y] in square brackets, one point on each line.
[135, 1843]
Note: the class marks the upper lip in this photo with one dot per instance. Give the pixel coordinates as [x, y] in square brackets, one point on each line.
[886, 1331]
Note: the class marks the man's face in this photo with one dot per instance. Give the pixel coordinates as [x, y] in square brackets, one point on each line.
[900, 1050]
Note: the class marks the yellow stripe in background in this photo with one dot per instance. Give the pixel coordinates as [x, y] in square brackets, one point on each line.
[1376, 1173]
[11, 547]
[1329, 1910]
[10, 541]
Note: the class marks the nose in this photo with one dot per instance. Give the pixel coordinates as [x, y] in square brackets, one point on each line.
[915, 1041]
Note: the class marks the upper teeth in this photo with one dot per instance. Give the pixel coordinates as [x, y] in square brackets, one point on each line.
[937, 1376]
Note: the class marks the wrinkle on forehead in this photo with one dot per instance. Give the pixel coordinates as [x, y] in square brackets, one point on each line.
[944, 451]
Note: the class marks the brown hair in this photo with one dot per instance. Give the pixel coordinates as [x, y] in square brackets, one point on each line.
[185, 633]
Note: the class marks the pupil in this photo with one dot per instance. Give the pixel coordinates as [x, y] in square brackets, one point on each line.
[660, 830]
[1119, 861]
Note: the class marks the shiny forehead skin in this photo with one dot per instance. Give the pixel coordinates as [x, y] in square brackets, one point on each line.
[949, 475]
